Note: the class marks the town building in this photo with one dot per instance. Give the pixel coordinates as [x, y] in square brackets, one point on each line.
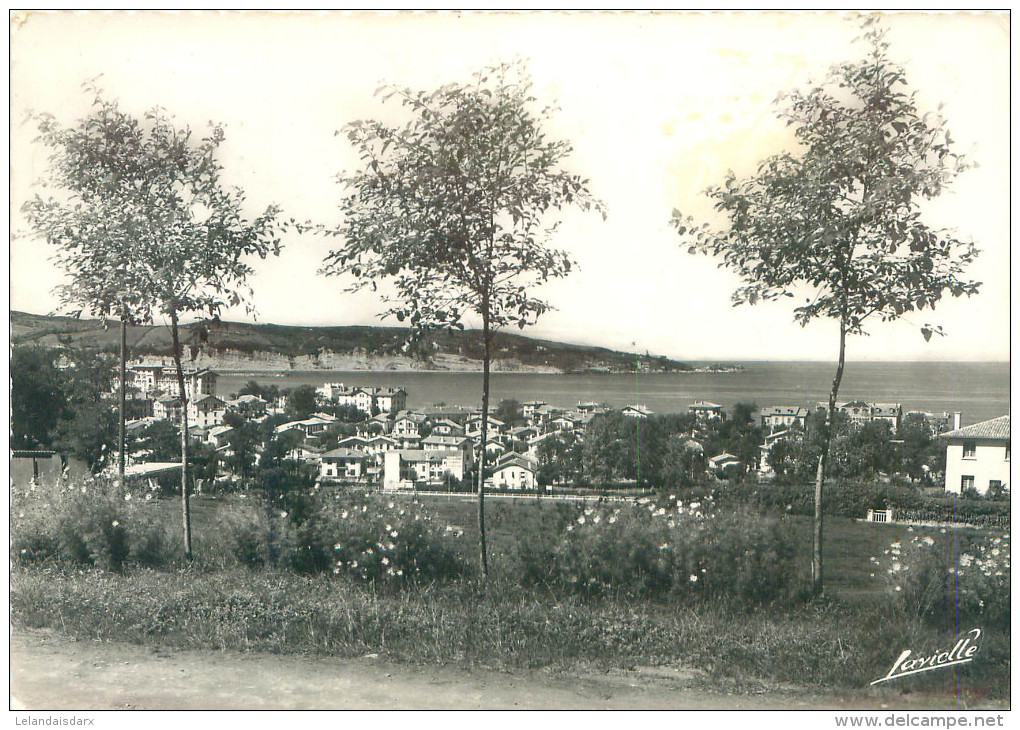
[206, 410]
[410, 468]
[636, 411]
[514, 472]
[858, 411]
[343, 465]
[152, 380]
[977, 456]
[775, 418]
[706, 412]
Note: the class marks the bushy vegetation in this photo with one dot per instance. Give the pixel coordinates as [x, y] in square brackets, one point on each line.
[684, 552]
[88, 523]
[937, 579]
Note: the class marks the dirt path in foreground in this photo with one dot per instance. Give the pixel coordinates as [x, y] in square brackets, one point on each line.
[51, 672]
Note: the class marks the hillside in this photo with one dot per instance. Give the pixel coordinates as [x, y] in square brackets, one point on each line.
[268, 347]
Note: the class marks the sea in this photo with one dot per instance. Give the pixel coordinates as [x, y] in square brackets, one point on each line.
[979, 390]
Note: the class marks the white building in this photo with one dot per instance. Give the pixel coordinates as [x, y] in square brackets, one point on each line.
[155, 379]
[407, 468]
[978, 456]
[343, 465]
[777, 418]
[515, 472]
[206, 410]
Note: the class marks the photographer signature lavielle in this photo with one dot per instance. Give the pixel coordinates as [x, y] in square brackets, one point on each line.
[961, 653]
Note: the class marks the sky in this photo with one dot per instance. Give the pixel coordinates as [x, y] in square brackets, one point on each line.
[657, 106]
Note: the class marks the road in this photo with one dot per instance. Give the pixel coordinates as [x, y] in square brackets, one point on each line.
[51, 672]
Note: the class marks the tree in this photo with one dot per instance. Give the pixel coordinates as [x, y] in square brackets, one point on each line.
[453, 210]
[683, 464]
[841, 217]
[918, 449]
[143, 217]
[301, 401]
[509, 412]
[862, 450]
[37, 399]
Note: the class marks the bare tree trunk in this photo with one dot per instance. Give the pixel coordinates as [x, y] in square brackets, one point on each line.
[817, 585]
[481, 455]
[123, 385]
[185, 504]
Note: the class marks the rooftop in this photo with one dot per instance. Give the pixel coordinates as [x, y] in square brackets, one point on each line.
[997, 428]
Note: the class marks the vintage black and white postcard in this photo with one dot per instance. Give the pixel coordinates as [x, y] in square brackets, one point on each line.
[510, 360]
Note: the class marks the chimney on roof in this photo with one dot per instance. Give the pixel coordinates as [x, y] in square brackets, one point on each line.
[956, 420]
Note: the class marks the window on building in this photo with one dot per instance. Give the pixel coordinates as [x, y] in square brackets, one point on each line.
[969, 450]
[966, 482]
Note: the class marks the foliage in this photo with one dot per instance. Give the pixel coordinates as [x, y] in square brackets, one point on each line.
[618, 448]
[862, 450]
[841, 220]
[451, 207]
[559, 459]
[683, 464]
[88, 523]
[686, 552]
[257, 537]
[62, 407]
[140, 213]
[844, 217]
[509, 412]
[453, 210]
[301, 401]
[268, 393]
[936, 579]
[373, 540]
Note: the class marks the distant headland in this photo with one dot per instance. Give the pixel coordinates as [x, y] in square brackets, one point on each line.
[271, 348]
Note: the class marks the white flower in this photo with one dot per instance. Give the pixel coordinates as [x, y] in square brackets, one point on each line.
[928, 541]
[394, 533]
[116, 523]
[695, 505]
[385, 561]
[694, 579]
[337, 546]
[127, 497]
[581, 520]
[596, 519]
[343, 515]
[664, 546]
[612, 519]
[390, 505]
[898, 589]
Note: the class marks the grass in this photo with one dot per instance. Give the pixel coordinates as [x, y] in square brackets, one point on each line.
[844, 641]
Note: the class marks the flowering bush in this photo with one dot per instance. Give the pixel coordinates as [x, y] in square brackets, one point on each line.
[937, 577]
[684, 551]
[87, 522]
[376, 539]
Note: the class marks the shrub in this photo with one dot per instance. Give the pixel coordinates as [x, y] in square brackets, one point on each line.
[257, 535]
[372, 539]
[87, 522]
[682, 552]
[939, 579]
